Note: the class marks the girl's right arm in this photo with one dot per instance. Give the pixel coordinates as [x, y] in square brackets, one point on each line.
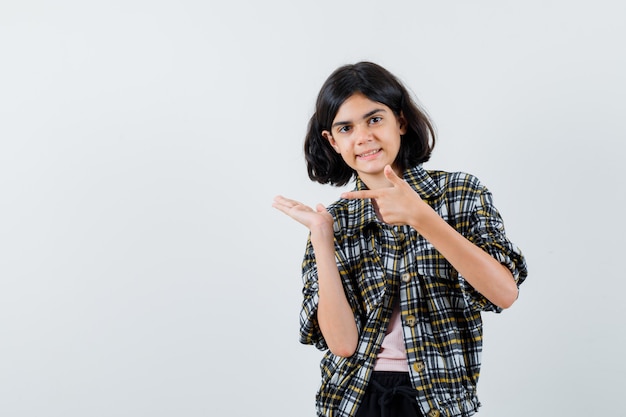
[334, 315]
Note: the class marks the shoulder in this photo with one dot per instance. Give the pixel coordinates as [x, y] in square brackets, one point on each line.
[344, 212]
[456, 181]
[341, 208]
[351, 216]
[432, 185]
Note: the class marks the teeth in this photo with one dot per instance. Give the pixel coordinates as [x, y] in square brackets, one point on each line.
[369, 153]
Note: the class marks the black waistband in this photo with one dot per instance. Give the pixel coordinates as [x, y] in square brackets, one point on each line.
[391, 384]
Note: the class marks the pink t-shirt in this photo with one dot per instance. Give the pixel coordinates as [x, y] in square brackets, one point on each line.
[392, 354]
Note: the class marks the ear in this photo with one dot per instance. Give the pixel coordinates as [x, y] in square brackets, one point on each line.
[326, 134]
[402, 124]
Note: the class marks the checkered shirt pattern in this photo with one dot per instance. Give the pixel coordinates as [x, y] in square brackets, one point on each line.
[441, 312]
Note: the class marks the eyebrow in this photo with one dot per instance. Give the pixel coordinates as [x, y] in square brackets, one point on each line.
[365, 116]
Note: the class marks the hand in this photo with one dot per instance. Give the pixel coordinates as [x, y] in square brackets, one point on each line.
[397, 205]
[319, 218]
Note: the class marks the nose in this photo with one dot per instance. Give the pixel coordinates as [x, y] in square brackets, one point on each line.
[362, 133]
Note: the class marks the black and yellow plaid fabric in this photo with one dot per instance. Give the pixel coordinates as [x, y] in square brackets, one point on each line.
[441, 312]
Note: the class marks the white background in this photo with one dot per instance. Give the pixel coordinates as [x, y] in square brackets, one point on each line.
[143, 271]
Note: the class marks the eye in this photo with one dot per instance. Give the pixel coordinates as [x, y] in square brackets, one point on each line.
[375, 119]
[344, 129]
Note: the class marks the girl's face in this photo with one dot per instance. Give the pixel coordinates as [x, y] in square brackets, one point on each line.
[367, 135]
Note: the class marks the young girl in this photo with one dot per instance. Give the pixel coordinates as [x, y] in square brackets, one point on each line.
[397, 272]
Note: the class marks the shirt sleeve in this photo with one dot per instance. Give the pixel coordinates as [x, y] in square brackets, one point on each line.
[310, 333]
[486, 230]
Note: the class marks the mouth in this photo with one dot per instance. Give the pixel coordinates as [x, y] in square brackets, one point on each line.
[369, 153]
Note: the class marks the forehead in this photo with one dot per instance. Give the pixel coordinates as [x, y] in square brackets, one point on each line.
[356, 106]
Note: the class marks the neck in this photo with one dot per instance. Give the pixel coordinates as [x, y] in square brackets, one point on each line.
[375, 182]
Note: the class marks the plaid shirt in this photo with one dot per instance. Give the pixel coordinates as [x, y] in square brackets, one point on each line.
[441, 312]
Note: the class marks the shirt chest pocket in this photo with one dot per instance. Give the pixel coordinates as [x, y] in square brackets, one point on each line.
[431, 264]
[440, 285]
[371, 278]
[372, 287]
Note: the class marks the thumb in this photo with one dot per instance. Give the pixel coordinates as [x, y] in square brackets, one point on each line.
[320, 208]
[391, 175]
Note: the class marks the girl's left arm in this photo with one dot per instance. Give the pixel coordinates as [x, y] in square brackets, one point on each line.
[399, 204]
[482, 271]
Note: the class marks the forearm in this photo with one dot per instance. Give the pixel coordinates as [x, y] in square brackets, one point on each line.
[334, 315]
[488, 276]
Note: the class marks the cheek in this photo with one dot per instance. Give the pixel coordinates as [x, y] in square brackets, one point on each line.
[347, 158]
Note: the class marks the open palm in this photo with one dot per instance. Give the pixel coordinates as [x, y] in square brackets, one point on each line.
[304, 214]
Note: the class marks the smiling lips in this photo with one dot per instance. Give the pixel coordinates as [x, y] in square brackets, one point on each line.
[369, 153]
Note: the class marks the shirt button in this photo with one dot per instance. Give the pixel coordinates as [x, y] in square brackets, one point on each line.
[434, 413]
[419, 366]
[410, 320]
[406, 277]
[401, 236]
